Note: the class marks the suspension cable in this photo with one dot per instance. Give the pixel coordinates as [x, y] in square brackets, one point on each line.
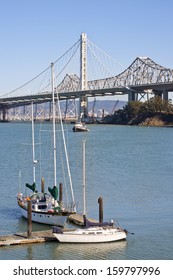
[106, 54]
[41, 72]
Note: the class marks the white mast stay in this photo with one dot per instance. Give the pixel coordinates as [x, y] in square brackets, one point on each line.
[53, 120]
[63, 136]
[84, 177]
[33, 142]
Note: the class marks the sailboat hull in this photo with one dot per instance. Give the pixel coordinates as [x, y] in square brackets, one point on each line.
[48, 218]
[80, 127]
[91, 236]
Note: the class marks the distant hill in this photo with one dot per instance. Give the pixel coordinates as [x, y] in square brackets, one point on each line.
[107, 105]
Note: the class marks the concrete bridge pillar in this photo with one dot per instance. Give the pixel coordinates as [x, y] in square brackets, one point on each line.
[157, 93]
[131, 96]
[4, 113]
[165, 95]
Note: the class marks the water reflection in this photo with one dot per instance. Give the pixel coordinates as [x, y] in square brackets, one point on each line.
[113, 250]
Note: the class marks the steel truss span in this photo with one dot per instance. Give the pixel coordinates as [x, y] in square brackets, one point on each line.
[141, 78]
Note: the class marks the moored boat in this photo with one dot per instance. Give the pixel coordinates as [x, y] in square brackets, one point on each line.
[80, 127]
[48, 208]
[98, 233]
[45, 209]
[92, 232]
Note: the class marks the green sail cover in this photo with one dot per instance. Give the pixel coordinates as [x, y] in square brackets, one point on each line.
[32, 187]
[54, 192]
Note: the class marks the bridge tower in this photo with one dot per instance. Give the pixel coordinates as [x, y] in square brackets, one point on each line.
[83, 100]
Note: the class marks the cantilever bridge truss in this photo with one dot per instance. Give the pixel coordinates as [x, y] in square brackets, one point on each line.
[142, 77]
[143, 72]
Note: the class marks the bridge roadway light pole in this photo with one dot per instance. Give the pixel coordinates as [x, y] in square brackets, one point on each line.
[83, 100]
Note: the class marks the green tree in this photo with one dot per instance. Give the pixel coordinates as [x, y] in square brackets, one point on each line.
[158, 105]
[132, 109]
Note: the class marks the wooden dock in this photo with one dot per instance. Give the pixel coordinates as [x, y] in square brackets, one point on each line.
[21, 238]
[78, 219]
[38, 236]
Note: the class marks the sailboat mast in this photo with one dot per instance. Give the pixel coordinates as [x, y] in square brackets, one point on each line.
[84, 177]
[66, 154]
[33, 141]
[53, 121]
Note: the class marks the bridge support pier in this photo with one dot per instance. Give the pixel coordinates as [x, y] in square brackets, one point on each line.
[4, 114]
[83, 107]
[165, 95]
[131, 96]
[157, 93]
[70, 109]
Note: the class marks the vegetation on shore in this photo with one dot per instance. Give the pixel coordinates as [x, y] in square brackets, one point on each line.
[154, 112]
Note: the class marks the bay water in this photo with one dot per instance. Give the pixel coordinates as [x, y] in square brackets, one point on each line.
[130, 167]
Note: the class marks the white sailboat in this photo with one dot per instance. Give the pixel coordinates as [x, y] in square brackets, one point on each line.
[91, 232]
[80, 127]
[46, 209]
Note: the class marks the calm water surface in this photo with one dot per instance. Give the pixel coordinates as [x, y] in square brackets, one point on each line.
[130, 167]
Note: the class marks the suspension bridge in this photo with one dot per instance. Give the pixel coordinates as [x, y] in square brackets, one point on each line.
[94, 74]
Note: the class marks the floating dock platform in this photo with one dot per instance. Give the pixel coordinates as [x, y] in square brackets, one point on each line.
[78, 219]
[38, 236]
[21, 238]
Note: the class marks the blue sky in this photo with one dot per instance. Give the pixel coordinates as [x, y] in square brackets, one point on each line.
[33, 33]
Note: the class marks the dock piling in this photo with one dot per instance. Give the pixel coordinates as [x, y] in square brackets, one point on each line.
[60, 193]
[29, 231]
[100, 202]
[42, 185]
